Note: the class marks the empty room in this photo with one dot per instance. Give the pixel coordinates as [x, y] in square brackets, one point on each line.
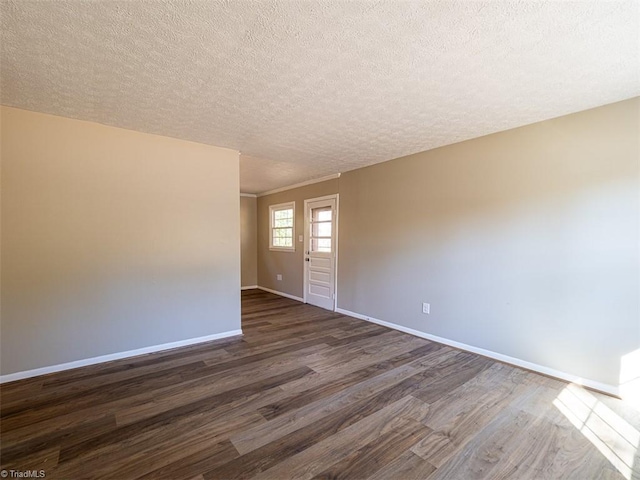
[304, 239]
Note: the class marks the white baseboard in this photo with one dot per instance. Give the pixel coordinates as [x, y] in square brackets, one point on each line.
[12, 377]
[250, 287]
[282, 294]
[601, 387]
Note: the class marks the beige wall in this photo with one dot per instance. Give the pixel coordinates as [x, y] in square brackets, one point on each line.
[112, 240]
[289, 264]
[249, 241]
[526, 242]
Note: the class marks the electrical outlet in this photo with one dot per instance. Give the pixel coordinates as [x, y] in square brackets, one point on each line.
[279, 277]
[426, 308]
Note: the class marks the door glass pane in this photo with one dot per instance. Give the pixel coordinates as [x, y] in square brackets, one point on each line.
[321, 214]
[321, 245]
[321, 229]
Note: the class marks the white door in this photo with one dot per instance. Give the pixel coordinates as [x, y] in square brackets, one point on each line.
[320, 241]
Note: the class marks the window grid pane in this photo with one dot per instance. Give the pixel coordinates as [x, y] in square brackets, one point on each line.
[282, 242]
[282, 237]
[283, 214]
[283, 222]
[282, 232]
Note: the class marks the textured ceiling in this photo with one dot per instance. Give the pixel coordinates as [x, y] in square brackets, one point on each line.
[305, 89]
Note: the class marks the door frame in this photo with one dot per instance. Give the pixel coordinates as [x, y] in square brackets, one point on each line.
[335, 196]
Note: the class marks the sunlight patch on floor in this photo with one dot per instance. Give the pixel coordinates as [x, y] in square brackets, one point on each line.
[611, 435]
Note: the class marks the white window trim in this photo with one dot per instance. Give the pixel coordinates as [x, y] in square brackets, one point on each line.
[272, 209]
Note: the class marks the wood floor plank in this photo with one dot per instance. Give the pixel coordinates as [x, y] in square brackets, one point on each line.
[82, 384]
[38, 443]
[265, 457]
[484, 451]
[455, 420]
[367, 360]
[441, 382]
[194, 463]
[339, 383]
[45, 460]
[251, 360]
[46, 408]
[358, 356]
[152, 449]
[532, 454]
[494, 388]
[328, 452]
[377, 454]
[78, 419]
[309, 393]
[157, 358]
[22, 391]
[407, 466]
[278, 427]
[147, 404]
[343, 332]
[245, 348]
[120, 433]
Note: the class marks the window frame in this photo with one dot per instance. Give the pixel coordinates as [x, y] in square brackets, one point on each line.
[272, 210]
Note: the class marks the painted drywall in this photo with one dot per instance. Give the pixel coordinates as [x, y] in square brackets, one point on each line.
[289, 264]
[525, 242]
[249, 241]
[112, 240]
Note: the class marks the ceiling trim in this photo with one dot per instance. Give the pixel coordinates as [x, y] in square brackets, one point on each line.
[301, 184]
[252, 195]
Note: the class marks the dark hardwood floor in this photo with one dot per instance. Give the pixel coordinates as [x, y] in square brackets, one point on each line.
[308, 393]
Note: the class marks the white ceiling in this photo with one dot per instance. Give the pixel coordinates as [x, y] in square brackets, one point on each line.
[306, 88]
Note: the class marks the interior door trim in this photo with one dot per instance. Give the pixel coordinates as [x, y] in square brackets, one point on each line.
[335, 196]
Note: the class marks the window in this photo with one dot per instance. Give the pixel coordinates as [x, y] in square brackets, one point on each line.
[281, 225]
